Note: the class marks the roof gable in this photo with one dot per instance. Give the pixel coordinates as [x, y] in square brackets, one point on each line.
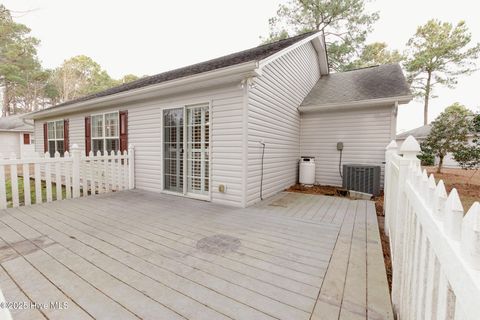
[418, 133]
[15, 123]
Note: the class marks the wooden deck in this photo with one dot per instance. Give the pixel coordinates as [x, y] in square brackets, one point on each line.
[131, 255]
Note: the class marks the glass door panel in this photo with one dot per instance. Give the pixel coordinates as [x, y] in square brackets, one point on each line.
[173, 126]
[198, 128]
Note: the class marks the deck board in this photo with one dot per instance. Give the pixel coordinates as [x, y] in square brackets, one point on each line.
[298, 257]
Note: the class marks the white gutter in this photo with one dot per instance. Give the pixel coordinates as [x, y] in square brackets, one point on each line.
[16, 130]
[356, 104]
[242, 69]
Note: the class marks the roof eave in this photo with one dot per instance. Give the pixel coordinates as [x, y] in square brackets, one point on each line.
[239, 70]
[16, 130]
[355, 104]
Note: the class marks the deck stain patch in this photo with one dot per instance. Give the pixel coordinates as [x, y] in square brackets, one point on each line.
[218, 244]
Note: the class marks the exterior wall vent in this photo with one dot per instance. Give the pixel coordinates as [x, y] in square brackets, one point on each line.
[362, 178]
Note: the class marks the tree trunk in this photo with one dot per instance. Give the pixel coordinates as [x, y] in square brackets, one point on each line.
[427, 97]
[5, 101]
[440, 164]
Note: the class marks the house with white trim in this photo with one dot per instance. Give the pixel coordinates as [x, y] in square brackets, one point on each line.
[231, 130]
[16, 138]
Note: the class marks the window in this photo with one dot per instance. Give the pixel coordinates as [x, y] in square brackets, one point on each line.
[55, 137]
[26, 138]
[105, 133]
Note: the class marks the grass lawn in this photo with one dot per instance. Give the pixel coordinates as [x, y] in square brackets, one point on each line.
[467, 183]
[21, 195]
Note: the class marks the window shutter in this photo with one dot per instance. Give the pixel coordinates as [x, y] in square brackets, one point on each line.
[26, 138]
[66, 140]
[88, 132]
[45, 137]
[123, 115]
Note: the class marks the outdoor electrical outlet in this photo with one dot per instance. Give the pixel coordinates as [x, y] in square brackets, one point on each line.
[339, 146]
[222, 188]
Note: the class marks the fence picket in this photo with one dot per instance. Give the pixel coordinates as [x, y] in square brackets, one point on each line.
[106, 170]
[125, 170]
[118, 169]
[112, 170]
[470, 242]
[430, 280]
[67, 176]
[14, 183]
[26, 184]
[453, 215]
[3, 191]
[84, 174]
[92, 173]
[431, 190]
[422, 277]
[441, 199]
[99, 172]
[38, 183]
[48, 178]
[430, 296]
[58, 177]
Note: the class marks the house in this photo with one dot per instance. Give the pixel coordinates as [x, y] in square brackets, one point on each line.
[420, 134]
[16, 136]
[231, 130]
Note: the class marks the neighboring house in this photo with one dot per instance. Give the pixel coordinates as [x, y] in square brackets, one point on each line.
[421, 134]
[16, 137]
[199, 131]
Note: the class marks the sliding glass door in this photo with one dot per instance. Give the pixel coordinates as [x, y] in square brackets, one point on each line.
[186, 133]
[173, 149]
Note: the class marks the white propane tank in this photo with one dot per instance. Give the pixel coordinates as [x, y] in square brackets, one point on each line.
[307, 170]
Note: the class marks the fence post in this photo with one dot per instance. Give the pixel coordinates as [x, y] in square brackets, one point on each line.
[131, 166]
[390, 150]
[76, 170]
[409, 149]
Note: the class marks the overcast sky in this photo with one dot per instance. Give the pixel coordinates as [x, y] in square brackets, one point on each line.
[146, 37]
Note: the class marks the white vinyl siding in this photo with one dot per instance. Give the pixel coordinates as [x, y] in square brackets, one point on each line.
[364, 132]
[76, 125]
[10, 144]
[145, 133]
[38, 133]
[273, 118]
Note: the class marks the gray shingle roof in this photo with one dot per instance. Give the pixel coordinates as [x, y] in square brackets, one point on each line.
[254, 54]
[377, 82]
[15, 123]
[418, 133]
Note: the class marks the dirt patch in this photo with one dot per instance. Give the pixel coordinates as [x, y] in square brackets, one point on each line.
[384, 238]
[466, 182]
[319, 189]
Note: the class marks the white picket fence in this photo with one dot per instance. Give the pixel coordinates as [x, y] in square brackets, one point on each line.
[74, 175]
[435, 248]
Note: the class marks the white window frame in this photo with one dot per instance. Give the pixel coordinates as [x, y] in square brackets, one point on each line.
[103, 137]
[55, 135]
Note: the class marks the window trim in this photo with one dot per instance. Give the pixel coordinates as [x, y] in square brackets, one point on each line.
[104, 138]
[56, 139]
